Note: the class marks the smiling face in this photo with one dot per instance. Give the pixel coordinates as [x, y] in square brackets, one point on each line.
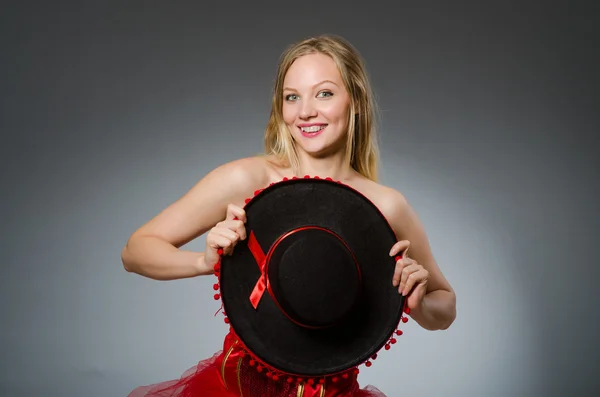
[316, 105]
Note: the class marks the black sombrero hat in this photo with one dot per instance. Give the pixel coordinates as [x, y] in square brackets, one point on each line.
[309, 293]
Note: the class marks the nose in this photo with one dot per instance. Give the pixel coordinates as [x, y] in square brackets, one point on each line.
[307, 110]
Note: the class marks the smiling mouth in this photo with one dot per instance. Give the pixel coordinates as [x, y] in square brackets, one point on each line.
[313, 129]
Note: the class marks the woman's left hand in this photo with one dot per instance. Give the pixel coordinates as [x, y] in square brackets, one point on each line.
[409, 276]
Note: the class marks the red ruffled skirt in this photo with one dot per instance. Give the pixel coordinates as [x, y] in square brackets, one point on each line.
[228, 374]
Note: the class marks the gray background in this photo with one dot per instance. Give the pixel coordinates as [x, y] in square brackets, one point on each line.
[112, 111]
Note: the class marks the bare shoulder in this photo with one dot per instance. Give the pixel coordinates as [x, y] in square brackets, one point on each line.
[392, 203]
[239, 177]
[205, 204]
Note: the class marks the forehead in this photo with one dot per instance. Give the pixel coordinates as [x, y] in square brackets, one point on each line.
[312, 69]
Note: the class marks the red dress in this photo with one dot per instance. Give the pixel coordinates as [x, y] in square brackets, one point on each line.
[228, 373]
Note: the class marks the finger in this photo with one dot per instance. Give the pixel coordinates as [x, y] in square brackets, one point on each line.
[400, 246]
[239, 228]
[225, 238]
[235, 212]
[236, 226]
[409, 269]
[400, 265]
[415, 278]
[416, 296]
[227, 233]
[217, 241]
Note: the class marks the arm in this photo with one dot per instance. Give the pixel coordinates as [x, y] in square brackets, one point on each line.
[154, 250]
[437, 309]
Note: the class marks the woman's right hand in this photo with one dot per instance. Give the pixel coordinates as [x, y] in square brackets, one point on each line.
[225, 235]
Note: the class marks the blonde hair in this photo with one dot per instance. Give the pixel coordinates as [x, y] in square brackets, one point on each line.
[362, 151]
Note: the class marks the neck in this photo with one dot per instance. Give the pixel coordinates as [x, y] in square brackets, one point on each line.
[332, 166]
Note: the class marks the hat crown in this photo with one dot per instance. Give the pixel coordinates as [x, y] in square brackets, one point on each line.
[314, 277]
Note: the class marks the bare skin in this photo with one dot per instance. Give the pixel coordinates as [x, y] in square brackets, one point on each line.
[154, 249]
[314, 95]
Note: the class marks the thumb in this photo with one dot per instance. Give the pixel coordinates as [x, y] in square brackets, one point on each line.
[400, 246]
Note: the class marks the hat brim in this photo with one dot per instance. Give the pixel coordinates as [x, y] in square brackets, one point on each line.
[265, 330]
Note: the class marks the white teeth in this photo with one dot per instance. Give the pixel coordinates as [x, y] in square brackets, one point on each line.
[313, 128]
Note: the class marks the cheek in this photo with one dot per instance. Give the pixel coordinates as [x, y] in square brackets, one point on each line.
[336, 112]
[289, 114]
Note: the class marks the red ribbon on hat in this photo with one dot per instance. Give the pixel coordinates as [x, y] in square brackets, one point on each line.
[259, 256]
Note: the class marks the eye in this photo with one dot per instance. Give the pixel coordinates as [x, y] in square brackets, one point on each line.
[291, 97]
[324, 94]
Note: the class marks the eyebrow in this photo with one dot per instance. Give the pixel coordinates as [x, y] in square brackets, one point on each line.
[316, 85]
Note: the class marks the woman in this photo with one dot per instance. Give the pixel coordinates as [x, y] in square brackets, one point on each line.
[321, 124]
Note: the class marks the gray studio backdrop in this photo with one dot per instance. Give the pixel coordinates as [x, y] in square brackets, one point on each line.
[111, 112]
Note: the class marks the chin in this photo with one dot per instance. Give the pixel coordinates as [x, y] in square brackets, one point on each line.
[319, 150]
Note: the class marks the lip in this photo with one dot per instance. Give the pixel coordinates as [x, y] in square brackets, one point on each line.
[310, 124]
[311, 134]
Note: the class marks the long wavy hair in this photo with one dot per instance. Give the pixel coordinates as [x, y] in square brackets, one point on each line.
[362, 152]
